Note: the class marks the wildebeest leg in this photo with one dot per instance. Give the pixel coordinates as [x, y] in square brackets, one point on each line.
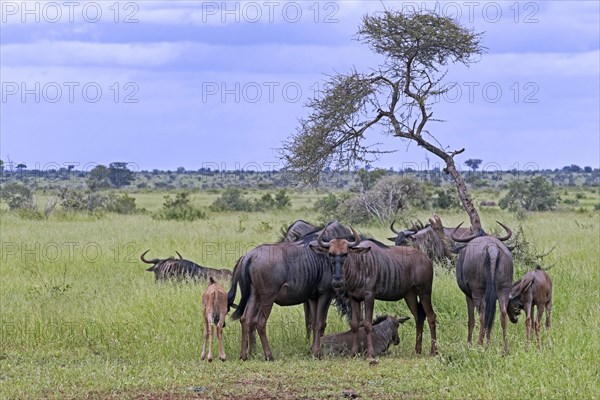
[368, 325]
[471, 322]
[210, 336]
[503, 302]
[413, 306]
[431, 317]
[222, 356]
[356, 311]
[206, 328]
[247, 324]
[319, 318]
[528, 321]
[480, 305]
[309, 315]
[548, 322]
[264, 310]
[538, 323]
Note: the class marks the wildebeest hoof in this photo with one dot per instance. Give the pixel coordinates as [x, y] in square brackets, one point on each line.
[373, 361]
[349, 393]
[209, 359]
[223, 358]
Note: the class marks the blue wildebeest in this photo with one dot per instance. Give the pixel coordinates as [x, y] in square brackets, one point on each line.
[533, 290]
[367, 270]
[384, 334]
[285, 274]
[427, 239]
[484, 272]
[172, 268]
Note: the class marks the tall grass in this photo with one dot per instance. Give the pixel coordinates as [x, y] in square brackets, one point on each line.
[80, 317]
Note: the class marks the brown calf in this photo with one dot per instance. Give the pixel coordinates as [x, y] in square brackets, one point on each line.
[214, 307]
[534, 289]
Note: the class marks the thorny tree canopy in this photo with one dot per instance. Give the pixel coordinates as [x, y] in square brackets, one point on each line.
[397, 96]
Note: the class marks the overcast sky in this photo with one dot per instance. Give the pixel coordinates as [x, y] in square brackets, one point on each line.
[163, 84]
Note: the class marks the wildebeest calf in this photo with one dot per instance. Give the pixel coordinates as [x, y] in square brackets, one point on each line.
[534, 289]
[384, 333]
[214, 310]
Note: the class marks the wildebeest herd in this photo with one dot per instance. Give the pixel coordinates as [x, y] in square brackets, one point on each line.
[315, 265]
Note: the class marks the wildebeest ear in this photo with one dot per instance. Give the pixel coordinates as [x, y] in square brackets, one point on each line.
[359, 250]
[403, 319]
[318, 249]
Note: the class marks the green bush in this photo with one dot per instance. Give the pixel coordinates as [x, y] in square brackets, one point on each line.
[446, 199]
[123, 204]
[17, 196]
[180, 209]
[536, 194]
[232, 199]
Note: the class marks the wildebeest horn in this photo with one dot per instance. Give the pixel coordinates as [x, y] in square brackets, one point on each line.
[181, 258]
[153, 261]
[320, 240]
[508, 232]
[392, 227]
[356, 238]
[462, 239]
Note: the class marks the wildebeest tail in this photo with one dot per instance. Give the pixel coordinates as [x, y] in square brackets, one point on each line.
[420, 314]
[241, 275]
[491, 267]
[235, 278]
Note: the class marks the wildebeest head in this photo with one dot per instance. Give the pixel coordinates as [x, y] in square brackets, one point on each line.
[515, 303]
[337, 251]
[395, 322]
[480, 232]
[403, 238]
[297, 230]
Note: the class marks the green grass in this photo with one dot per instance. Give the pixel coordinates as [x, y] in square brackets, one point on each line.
[81, 318]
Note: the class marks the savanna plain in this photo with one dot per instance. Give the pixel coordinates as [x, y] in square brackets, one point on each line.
[81, 318]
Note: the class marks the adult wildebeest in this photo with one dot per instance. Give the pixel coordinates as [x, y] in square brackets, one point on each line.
[384, 333]
[172, 268]
[367, 270]
[533, 290]
[427, 239]
[214, 310]
[285, 274]
[484, 273]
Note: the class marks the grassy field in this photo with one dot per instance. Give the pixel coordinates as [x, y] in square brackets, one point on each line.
[81, 318]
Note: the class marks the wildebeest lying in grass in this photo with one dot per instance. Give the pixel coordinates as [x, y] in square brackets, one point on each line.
[384, 332]
[214, 310]
[172, 268]
[533, 290]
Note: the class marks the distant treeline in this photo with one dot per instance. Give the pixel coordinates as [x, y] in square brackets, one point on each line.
[123, 175]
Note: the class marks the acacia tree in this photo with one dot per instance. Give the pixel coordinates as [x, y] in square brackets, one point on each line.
[397, 96]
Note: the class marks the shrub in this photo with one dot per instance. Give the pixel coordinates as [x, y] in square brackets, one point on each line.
[232, 199]
[77, 200]
[180, 209]
[390, 195]
[123, 204]
[17, 196]
[536, 194]
[446, 199]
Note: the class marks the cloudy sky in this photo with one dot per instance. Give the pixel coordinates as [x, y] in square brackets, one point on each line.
[218, 84]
